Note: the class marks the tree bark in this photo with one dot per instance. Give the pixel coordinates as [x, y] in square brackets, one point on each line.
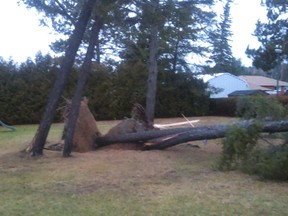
[182, 135]
[84, 72]
[153, 71]
[37, 145]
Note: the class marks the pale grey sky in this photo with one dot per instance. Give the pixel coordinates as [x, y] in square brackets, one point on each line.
[244, 14]
[22, 37]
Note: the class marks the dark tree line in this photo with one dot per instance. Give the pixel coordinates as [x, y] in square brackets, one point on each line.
[24, 90]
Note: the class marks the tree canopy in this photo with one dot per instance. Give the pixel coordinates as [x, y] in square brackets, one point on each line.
[182, 24]
[273, 36]
[222, 59]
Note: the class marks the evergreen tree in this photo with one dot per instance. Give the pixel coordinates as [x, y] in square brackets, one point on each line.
[273, 37]
[222, 55]
[161, 34]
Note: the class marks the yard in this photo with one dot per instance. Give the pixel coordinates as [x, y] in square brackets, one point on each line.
[110, 181]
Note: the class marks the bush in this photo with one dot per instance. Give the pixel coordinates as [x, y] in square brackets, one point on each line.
[269, 163]
[222, 107]
[283, 99]
[241, 149]
[259, 107]
[237, 146]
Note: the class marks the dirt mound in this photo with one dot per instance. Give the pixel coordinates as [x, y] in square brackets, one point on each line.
[86, 129]
[138, 122]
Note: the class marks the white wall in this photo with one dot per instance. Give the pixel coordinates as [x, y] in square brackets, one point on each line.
[229, 83]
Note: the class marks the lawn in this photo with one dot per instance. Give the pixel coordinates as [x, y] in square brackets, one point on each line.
[110, 181]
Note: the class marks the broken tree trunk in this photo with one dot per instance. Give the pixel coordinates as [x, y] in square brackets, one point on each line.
[182, 135]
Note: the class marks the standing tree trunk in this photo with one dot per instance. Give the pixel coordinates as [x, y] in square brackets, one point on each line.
[153, 71]
[175, 56]
[37, 145]
[84, 72]
[98, 53]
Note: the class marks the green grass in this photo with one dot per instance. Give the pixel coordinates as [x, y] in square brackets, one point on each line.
[176, 181]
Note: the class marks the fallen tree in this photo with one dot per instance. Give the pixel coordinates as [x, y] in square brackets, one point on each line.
[172, 137]
[136, 130]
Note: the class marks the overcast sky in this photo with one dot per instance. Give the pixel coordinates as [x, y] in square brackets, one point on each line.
[22, 37]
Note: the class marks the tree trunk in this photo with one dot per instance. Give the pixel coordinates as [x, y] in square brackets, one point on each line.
[153, 71]
[182, 135]
[175, 56]
[84, 72]
[98, 53]
[37, 145]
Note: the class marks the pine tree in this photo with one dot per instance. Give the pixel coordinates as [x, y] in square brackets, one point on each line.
[273, 37]
[221, 52]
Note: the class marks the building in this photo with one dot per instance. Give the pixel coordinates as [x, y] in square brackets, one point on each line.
[266, 83]
[227, 83]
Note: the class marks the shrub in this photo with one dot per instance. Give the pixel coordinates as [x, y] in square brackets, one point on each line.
[269, 163]
[222, 107]
[259, 107]
[241, 149]
[237, 146]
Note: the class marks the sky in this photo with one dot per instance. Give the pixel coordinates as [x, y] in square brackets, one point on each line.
[22, 37]
[244, 14]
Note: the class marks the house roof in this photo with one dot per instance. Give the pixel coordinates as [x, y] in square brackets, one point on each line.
[229, 83]
[207, 77]
[253, 86]
[224, 74]
[261, 81]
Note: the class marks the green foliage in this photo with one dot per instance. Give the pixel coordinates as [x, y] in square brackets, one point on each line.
[222, 53]
[178, 25]
[260, 107]
[269, 163]
[111, 91]
[242, 149]
[24, 95]
[283, 100]
[180, 93]
[222, 106]
[128, 87]
[237, 146]
[222, 58]
[241, 106]
[271, 37]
